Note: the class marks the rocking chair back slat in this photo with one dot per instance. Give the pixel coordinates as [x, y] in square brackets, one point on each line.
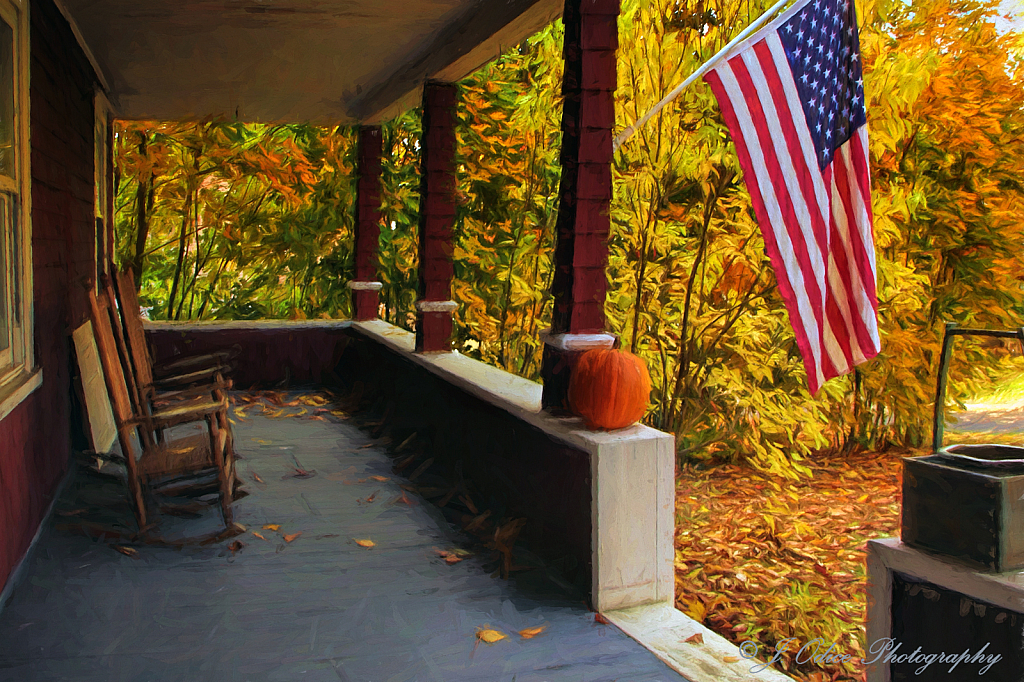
[136, 333]
[132, 376]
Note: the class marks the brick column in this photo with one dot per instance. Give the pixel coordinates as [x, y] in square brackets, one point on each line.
[437, 218]
[585, 192]
[365, 286]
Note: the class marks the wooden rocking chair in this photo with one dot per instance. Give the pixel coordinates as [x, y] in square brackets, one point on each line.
[161, 462]
[165, 375]
[146, 392]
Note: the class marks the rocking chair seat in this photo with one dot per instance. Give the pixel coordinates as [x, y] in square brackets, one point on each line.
[180, 456]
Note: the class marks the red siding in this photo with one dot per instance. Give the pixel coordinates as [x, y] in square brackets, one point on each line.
[35, 439]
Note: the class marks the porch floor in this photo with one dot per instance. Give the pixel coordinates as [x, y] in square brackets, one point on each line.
[319, 607]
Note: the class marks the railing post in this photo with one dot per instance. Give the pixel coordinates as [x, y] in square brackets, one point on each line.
[365, 287]
[437, 218]
[585, 192]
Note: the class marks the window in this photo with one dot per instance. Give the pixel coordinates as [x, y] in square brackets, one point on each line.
[16, 360]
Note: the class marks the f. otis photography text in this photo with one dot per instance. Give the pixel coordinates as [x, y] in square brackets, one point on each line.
[884, 650]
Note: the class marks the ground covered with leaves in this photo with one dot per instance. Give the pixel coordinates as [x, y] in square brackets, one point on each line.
[765, 560]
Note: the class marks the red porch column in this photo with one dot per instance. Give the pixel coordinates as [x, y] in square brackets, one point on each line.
[585, 192]
[365, 286]
[437, 218]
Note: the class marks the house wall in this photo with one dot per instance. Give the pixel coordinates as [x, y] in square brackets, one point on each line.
[35, 439]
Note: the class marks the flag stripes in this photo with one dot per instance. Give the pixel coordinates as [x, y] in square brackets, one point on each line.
[816, 221]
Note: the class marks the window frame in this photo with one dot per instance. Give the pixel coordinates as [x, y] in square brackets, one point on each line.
[102, 185]
[19, 377]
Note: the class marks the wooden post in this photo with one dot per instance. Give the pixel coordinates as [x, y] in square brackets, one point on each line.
[437, 218]
[365, 286]
[585, 192]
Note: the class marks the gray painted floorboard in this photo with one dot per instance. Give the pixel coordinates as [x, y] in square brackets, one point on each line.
[319, 608]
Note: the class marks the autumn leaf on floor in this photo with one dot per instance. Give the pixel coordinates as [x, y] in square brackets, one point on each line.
[530, 633]
[452, 556]
[272, 526]
[489, 636]
[236, 546]
[289, 538]
[260, 536]
[366, 543]
[598, 618]
[730, 659]
[380, 478]
[299, 473]
[696, 638]
[127, 551]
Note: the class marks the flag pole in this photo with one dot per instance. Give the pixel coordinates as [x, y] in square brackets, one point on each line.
[704, 68]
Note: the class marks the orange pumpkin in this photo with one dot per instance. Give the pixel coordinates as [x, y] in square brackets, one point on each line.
[609, 388]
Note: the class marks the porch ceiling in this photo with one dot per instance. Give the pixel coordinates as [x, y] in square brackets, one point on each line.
[329, 61]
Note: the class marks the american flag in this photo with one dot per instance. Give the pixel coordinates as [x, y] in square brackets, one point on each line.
[793, 98]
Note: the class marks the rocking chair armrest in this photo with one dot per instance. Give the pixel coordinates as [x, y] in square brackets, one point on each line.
[198, 376]
[185, 412]
[192, 392]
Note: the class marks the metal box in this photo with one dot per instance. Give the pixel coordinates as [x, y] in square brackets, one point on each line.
[967, 502]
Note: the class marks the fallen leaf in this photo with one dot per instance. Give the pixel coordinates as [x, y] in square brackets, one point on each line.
[272, 526]
[365, 543]
[730, 659]
[256, 477]
[127, 551]
[299, 473]
[289, 538]
[696, 638]
[489, 636]
[236, 546]
[379, 478]
[530, 633]
[260, 536]
[598, 618]
[452, 559]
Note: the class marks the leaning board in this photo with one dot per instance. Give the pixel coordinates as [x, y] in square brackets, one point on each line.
[102, 430]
